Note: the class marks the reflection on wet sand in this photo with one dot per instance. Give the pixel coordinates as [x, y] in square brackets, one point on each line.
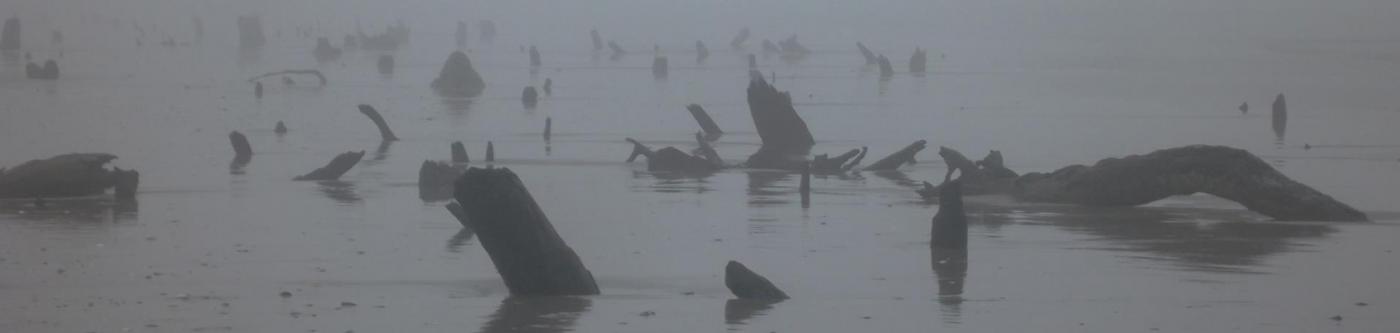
[83, 210]
[761, 189]
[382, 152]
[897, 177]
[737, 311]
[675, 182]
[1200, 240]
[457, 105]
[536, 314]
[950, 269]
[339, 191]
[455, 243]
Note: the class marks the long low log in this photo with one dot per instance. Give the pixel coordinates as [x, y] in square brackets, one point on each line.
[435, 180]
[68, 175]
[672, 159]
[746, 284]
[1230, 173]
[899, 158]
[385, 133]
[336, 168]
[527, 252]
[824, 164]
[316, 73]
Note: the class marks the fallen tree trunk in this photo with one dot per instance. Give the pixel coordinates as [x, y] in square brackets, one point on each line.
[384, 132]
[899, 158]
[313, 72]
[527, 252]
[746, 284]
[707, 124]
[1225, 172]
[68, 175]
[337, 167]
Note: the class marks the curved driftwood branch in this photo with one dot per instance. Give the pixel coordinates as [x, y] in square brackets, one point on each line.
[707, 124]
[337, 167]
[528, 253]
[313, 72]
[899, 158]
[746, 284]
[385, 133]
[918, 62]
[1225, 172]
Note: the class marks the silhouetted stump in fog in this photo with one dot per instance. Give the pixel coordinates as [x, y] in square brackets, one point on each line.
[490, 151]
[739, 39]
[950, 223]
[660, 67]
[746, 284]
[956, 161]
[670, 159]
[280, 128]
[919, 61]
[707, 124]
[701, 52]
[459, 153]
[529, 97]
[250, 32]
[324, 52]
[435, 180]
[548, 128]
[384, 132]
[994, 166]
[1225, 172]
[312, 72]
[242, 151]
[336, 168]
[899, 158]
[804, 187]
[458, 78]
[1244, 108]
[886, 71]
[535, 57]
[386, 64]
[597, 40]
[455, 209]
[786, 139]
[548, 86]
[1280, 117]
[10, 35]
[792, 48]
[529, 255]
[870, 58]
[47, 72]
[461, 34]
[68, 175]
[988, 176]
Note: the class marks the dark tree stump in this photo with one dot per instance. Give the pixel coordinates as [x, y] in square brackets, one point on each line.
[950, 223]
[385, 133]
[746, 284]
[337, 167]
[459, 153]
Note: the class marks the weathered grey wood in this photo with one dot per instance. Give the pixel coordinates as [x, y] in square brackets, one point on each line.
[529, 255]
[435, 180]
[899, 158]
[660, 67]
[490, 151]
[535, 57]
[597, 40]
[320, 77]
[385, 133]
[805, 187]
[548, 86]
[10, 37]
[701, 52]
[548, 127]
[280, 128]
[746, 284]
[68, 175]
[336, 168]
[886, 70]
[786, 139]
[739, 39]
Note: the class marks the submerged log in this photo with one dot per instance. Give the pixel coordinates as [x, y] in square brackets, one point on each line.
[597, 40]
[68, 175]
[529, 97]
[701, 52]
[385, 133]
[919, 61]
[435, 180]
[242, 151]
[899, 158]
[870, 58]
[824, 164]
[746, 284]
[529, 255]
[459, 153]
[786, 139]
[886, 71]
[739, 39]
[10, 35]
[1280, 117]
[707, 124]
[312, 72]
[1225, 172]
[660, 67]
[458, 78]
[950, 223]
[385, 64]
[670, 159]
[336, 168]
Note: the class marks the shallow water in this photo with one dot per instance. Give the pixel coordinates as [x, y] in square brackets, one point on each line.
[207, 250]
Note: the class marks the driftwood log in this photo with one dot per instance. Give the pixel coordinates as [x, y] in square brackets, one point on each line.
[527, 252]
[336, 168]
[707, 124]
[435, 180]
[672, 159]
[746, 284]
[385, 133]
[841, 163]
[68, 175]
[918, 62]
[899, 158]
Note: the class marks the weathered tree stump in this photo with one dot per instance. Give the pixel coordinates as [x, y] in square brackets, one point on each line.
[659, 67]
[918, 62]
[280, 129]
[671, 159]
[337, 167]
[701, 52]
[738, 41]
[435, 180]
[1280, 117]
[805, 187]
[548, 127]
[886, 71]
[490, 151]
[459, 153]
[535, 57]
[242, 151]
[786, 139]
[385, 133]
[527, 252]
[597, 40]
[548, 86]
[458, 78]
[529, 97]
[746, 284]
[950, 223]
[10, 35]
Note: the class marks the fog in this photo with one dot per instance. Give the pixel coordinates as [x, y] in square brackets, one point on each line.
[1189, 212]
